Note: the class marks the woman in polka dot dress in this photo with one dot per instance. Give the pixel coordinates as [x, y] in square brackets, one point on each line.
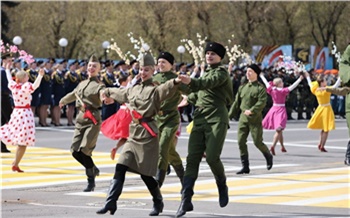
[20, 130]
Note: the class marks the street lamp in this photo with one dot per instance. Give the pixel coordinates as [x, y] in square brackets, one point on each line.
[63, 42]
[181, 50]
[17, 40]
[105, 46]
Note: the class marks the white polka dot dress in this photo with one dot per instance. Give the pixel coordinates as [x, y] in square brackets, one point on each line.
[20, 130]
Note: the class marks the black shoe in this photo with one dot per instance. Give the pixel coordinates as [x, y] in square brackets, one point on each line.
[168, 171]
[5, 150]
[245, 165]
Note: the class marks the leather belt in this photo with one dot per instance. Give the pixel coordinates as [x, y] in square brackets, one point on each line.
[143, 120]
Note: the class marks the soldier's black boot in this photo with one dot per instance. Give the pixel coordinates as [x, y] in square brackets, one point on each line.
[245, 165]
[158, 204]
[223, 190]
[168, 171]
[186, 198]
[115, 189]
[160, 177]
[180, 172]
[91, 174]
[269, 160]
[347, 155]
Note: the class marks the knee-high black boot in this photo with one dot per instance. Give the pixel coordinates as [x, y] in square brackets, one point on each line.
[160, 177]
[223, 190]
[115, 189]
[269, 160]
[158, 204]
[91, 175]
[186, 199]
[180, 172]
[245, 165]
[347, 155]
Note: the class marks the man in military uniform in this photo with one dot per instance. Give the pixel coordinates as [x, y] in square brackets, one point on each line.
[45, 92]
[134, 68]
[33, 74]
[344, 73]
[108, 77]
[58, 91]
[250, 100]
[140, 152]
[212, 94]
[88, 120]
[82, 73]
[168, 120]
[71, 82]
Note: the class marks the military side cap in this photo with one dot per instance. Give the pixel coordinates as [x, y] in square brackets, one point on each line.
[147, 60]
[217, 48]
[167, 56]
[93, 58]
[255, 68]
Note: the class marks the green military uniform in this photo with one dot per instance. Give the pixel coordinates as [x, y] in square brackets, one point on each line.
[251, 96]
[210, 122]
[344, 73]
[86, 133]
[140, 152]
[168, 120]
[212, 95]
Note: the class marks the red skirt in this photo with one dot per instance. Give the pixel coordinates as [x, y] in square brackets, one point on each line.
[117, 125]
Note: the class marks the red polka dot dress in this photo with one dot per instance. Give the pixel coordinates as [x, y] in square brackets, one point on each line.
[20, 130]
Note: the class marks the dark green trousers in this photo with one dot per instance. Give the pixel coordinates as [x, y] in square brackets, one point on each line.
[209, 138]
[256, 131]
[167, 147]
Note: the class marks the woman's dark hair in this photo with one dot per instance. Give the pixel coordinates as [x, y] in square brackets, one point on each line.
[320, 79]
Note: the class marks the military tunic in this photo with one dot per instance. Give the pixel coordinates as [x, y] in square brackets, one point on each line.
[58, 89]
[251, 96]
[46, 88]
[168, 120]
[71, 82]
[210, 120]
[140, 152]
[86, 133]
[110, 81]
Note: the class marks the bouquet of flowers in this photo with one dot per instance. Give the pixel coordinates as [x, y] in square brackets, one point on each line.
[140, 46]
[114, 46]
[13, 51]
[197, 52]
[234, 53]
[336, 53]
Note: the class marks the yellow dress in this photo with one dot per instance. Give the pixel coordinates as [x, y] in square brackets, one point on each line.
[323, 118]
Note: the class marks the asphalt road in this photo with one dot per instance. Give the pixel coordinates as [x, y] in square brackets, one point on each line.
[304, 182]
